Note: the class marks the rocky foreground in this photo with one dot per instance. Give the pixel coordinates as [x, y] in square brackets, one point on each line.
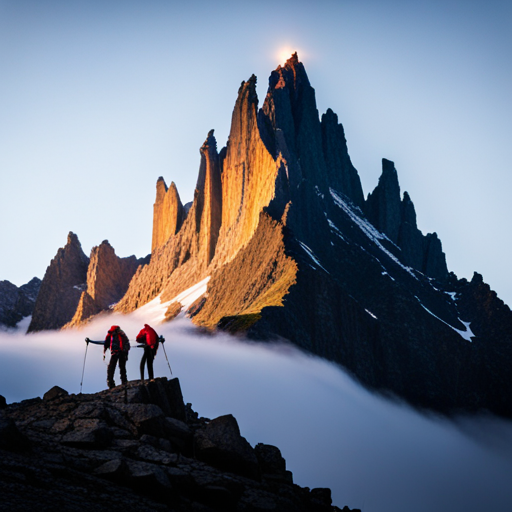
[140, 448]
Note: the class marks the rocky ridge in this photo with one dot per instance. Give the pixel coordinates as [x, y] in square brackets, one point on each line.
[61, 288]
[17, 303]
[397, 220]
[108, 277]
[139, 447]
[75, 287]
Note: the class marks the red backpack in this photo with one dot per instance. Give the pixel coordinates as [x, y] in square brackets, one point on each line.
[150, 335]
[117, 343]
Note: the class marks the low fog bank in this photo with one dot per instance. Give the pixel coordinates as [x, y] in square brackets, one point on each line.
[374, 454]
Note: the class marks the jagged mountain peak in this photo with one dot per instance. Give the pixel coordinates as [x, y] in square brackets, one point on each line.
[17, 303]
[209, 147]
[408, 210]
[62, 285]
[293, 60]
[383, 204]
[168, 213]
[280, 225]
[161, 188]
[73, 239]
[291, 74]
[248, 90]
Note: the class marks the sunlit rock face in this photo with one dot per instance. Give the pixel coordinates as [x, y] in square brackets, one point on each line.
[232, 189]
[259, 276]
[62, 286]
[168, 213]
[249, 175]
[191, 249]
[17, 303]
[108, 277]
[209, 201]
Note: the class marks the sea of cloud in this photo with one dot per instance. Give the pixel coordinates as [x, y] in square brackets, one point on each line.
[374, 453]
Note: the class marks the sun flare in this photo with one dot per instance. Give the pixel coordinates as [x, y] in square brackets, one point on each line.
[285, 52]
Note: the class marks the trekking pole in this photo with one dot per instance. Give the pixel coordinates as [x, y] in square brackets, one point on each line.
[83, 369]
[166, 357]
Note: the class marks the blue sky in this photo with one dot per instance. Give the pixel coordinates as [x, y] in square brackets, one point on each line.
[99, 99]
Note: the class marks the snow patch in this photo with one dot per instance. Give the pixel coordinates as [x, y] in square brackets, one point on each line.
[311, 254]
[371, 314]
[318, 193]
[390, 276]
[335, 230]
[373, 234]
[154, 311]
[467, 334]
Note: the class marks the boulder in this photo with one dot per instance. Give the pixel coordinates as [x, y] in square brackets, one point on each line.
[158, 442]
[180, 479]
[148, 418]
[148, 478]
[177, 428]
[321, 495]
[55, 392]
[114, 470]
[89, 434]
[221, 445]
[11, 438]
[272, 463]
[167, 395]
[173, 311]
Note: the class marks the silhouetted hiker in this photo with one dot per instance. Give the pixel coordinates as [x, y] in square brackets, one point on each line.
[119, 345]
[149, 339]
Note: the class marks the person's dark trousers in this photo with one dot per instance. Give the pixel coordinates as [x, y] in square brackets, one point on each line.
[122, 357]
[148, 356]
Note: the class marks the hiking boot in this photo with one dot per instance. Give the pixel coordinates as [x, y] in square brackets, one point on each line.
[111, 384]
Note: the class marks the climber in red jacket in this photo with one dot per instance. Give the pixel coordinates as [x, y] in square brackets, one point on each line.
[117, 342]
[149, 339]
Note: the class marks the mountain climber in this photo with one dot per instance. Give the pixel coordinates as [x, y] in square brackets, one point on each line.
[149, 340]
[119, 345]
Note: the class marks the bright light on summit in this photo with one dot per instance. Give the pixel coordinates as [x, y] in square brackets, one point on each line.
[284, 53]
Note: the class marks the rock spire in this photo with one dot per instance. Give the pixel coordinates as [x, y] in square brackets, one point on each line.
[108, 277]
[209, 197]
[396, 218]
[61, 288]
[168, 213]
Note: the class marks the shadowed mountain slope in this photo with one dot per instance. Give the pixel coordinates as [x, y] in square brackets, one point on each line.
[17, 303]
